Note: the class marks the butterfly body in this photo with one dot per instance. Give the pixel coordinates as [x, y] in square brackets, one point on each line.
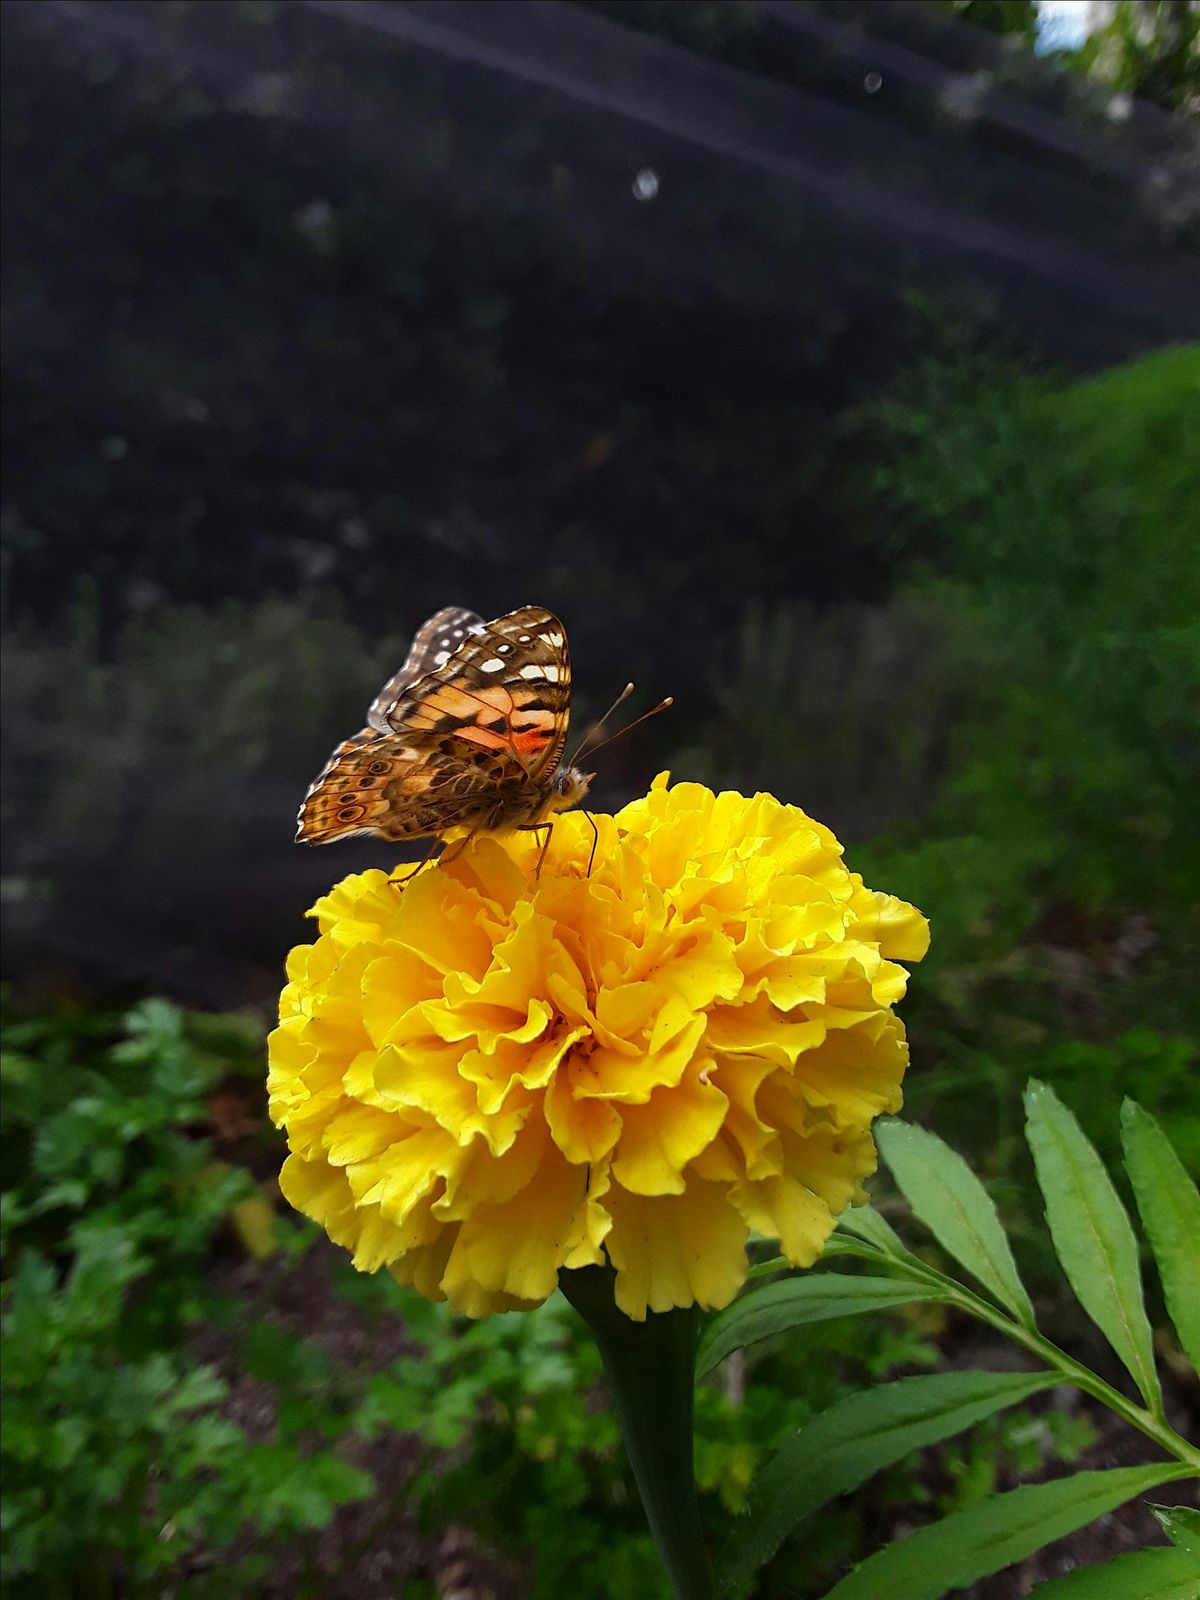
[468, 735]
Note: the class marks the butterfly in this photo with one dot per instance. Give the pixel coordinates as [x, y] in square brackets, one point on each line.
[469, 734]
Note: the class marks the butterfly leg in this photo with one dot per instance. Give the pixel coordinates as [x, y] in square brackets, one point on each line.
[453, 851]
[402, 883]
[538, 827]
[549, 827]
[595, 841]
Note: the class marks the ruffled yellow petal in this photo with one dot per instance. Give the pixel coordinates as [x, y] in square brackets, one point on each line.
[517, 1247]
[900, 931]
[658, 1139]
[676, 1250]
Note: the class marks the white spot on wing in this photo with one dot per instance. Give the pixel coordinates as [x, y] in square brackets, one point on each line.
[492, 664]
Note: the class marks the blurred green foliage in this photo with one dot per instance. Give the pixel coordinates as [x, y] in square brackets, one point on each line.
[1062, 521]
[1147, 48]
[122, 1468]
[1017, 18]
[1056, 857]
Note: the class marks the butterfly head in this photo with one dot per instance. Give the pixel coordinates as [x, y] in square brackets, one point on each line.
[568, 787]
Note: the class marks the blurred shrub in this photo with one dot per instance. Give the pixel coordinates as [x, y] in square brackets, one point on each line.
[1057, 860]
[122, 1471]
[1030, 686]
[193, 722]
[1146, 48]
[179, 749]
[851, 711]
[1067, 516]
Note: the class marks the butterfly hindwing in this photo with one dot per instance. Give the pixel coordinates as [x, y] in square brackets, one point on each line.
[386, 786]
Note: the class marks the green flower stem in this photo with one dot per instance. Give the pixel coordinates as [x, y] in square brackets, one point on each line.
[651, 1369]
[1082, 1377]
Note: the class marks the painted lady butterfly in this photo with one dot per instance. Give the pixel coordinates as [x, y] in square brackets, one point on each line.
[468, 734]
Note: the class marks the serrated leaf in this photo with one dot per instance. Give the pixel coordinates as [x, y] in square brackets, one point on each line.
[994, 1533]
[1092, 1234]
[1181, 1524]
[1169, 1205]
[853, 1440]
[793, 1302]
[952, 1203]
[1159, 1574]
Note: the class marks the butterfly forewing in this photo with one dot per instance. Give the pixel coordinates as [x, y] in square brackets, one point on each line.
[435, 643]
[472, 741]
[506, 689]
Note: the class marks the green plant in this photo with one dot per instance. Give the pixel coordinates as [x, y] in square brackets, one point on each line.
[1147, 49]
[1043, 531]
[858, 1436]
[120, 1465]
[518, 1446]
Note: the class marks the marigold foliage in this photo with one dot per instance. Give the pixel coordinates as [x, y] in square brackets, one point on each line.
[487, 1077]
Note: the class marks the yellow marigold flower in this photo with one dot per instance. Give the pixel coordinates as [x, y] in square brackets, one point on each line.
[486, 1077]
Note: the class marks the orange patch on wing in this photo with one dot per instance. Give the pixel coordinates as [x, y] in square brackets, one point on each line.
[455, 702]
[529, 741]
[487, 737]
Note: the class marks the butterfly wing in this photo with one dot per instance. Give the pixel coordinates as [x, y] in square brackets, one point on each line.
[386, 786]
[505, 690]
[435, 642]
[468, 741]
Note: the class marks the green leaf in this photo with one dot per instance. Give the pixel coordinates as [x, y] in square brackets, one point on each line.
[994, 1533]
[1092, 1234]
[866, 1223]
[1159, 1574]
[856, 1438]
[1181, 1524]
[1170, 1210]
[952, 1203]
[792, 1302]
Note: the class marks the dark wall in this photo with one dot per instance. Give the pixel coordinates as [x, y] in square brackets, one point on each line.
[320, 317]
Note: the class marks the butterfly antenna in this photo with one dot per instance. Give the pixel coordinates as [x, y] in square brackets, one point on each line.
[653, 711]
[594, 729]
